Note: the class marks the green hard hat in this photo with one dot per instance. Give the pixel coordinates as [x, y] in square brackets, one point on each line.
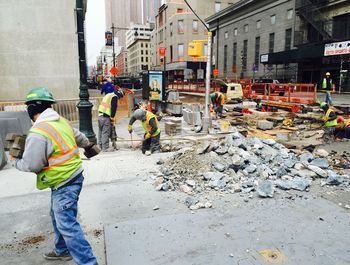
[323, 104]
[39, 94]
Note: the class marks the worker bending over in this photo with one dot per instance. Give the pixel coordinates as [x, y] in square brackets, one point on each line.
[152, 130]
[106, 118]
[51, 151]
[336, 125]
[218, 101]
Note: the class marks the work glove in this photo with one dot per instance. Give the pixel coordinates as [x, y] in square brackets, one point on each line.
[130, 128]
[91, 150]
[113, 121]
[147, 136]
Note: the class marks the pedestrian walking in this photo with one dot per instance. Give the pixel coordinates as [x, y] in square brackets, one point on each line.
[327, 84]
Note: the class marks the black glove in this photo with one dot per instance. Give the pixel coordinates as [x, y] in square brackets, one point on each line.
[91, 150]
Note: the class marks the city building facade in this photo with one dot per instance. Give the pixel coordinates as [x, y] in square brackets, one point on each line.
[138, 45]
[38, 52]
[175, 27]
[122, 62]
[282, 40]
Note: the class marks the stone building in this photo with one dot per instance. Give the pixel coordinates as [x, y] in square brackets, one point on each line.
[176, 26]
[38, 47]
[282, 40]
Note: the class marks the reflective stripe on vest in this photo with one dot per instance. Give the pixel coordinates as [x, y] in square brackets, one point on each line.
[220, 98]
[147, 127]
[106, 104]
[326, 116]
[64, 160]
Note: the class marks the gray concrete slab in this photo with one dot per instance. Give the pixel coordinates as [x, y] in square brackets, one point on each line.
[305, 232]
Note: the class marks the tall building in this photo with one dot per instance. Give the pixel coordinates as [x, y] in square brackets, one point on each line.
[138, 45]
[284, 40]
[176, 26]
[122, 13]
[38, 48]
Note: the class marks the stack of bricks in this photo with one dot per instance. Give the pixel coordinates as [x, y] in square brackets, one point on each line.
[173, 126]
[15, 144]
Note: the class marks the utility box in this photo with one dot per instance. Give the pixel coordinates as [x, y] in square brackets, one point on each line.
[195, 49]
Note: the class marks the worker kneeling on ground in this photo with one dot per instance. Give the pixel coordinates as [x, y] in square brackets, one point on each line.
[336, 125]
[218, 101]
[106, 118]
[51, 151]
[151, 126]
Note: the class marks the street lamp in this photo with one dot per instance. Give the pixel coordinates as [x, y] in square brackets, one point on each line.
[84, 105]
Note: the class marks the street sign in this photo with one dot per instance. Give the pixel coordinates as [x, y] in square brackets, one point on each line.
[109, 38]
[337, 48]
[162, 51]
[114, 70]
[216, 72]
[264, 58]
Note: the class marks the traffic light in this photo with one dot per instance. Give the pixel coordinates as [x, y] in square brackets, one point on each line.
[161, 60]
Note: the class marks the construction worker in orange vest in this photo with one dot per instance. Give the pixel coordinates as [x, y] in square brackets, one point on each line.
[151, 126]
[218, 101]
[51, 152]
[106, 118]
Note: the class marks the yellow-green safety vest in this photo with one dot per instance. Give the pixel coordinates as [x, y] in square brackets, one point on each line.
[64, 160]
[326, 120]
[106, 106]
[147, 127]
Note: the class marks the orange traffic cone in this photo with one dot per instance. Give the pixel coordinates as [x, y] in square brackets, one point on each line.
[149, 106]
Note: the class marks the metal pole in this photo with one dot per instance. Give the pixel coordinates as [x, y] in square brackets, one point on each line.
[113, 49]
[341, 74]
[206, 118]
[84, 105]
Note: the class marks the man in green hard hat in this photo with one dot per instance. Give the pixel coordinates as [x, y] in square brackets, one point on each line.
[51, 151]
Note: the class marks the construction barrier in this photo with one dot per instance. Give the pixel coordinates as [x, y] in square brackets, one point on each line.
[67, 108]
[286, 93]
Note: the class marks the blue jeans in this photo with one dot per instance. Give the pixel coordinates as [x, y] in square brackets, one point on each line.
[329, 98]
[69, 237]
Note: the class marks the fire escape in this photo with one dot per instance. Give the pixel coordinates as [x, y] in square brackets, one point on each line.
[312, 26]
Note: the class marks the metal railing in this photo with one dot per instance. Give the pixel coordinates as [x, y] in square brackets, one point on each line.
[67, 108]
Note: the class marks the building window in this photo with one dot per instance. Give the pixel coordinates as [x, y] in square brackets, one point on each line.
[246, 28]
[146, 52]
[180, 49]
[289, 13]
[141, 52]
[205, 47]
[141, 45]
[235, 32]
[226, 35]
[142, 59]
[273, 19]
[171, 53]
[271, 42]
[161, 35]
[180, 26]
[244, 55]
[195, 26]
[225, 59]
[146, 59]
[341, 26]
[234, 58]
[146, 45]
[257, 53]
[217, 6]
[180, 10]
[258, 24]
[171, 29]
[288, 40]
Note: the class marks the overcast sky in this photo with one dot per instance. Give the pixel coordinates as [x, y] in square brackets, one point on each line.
[95, 28]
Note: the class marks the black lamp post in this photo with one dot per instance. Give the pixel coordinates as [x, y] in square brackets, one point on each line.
[84, 105]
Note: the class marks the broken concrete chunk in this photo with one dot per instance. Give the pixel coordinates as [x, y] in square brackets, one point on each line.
[270, 142]
[306, 157]
[185, 189]
[335, 179]
[190, 182]
[221, 150]
[319, 171]
[212, 175]
[300, 184]
[203, 148]
[189, 201]
[320, 162]
[283, 184]
[289, 162]
[321, 153]
[219, 167]
[250, 169]
[265, 125]
[265, 189]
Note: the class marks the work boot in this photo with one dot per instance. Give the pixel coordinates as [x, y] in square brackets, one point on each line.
[53, 256]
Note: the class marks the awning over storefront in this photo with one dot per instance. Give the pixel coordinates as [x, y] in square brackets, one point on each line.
[293, 56]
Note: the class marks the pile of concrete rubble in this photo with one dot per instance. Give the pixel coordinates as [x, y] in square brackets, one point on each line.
[238, 164]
